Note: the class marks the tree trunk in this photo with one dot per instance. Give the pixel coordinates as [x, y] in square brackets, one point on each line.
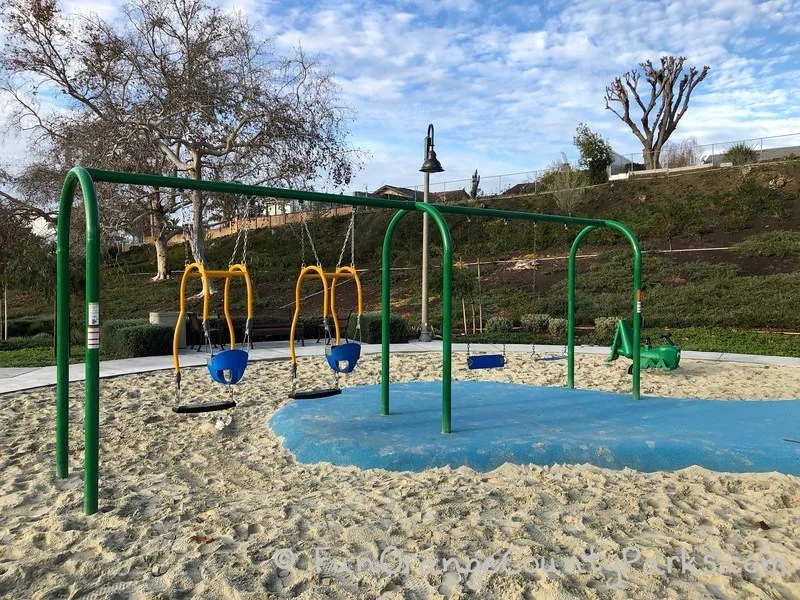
[160, 235]
[651, 158]
[197, 238]
[163, 270]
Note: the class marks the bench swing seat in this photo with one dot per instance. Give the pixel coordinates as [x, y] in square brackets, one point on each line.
[550, 358]
[486, 361]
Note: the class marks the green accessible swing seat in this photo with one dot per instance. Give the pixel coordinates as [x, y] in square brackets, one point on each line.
[667, 356]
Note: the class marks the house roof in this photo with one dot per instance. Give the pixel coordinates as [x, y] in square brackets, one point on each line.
[528, 187]
[417, 195]
[393, 190]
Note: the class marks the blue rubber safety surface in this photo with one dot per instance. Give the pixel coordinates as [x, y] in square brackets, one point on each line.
[494, 423]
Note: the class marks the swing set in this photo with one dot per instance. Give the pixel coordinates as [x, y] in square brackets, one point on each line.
[86, 178]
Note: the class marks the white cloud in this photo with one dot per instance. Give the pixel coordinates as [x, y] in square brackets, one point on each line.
[507, 85]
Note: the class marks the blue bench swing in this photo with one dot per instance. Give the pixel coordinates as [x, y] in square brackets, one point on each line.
[486, 361]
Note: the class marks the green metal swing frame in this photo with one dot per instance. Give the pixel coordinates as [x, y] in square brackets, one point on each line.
[86, 179]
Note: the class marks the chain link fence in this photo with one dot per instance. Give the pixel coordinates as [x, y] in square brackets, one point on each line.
[689, 153]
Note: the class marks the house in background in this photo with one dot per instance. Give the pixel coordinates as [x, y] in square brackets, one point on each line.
[393, 192]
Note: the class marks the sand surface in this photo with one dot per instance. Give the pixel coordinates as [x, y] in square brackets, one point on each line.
[189, 511]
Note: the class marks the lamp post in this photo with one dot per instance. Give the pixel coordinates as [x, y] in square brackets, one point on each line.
[431, 165]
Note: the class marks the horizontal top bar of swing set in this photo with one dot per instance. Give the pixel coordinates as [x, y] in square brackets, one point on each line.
[180, 183]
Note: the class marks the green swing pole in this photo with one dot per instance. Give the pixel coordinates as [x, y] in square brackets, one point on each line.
[386, 282]
[92, 323]
[635, 311]
[447, 292]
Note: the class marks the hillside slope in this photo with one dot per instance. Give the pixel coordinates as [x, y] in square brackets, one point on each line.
[706, 209]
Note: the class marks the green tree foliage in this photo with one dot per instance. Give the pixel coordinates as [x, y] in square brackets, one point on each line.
[741, 154]
[595, 153]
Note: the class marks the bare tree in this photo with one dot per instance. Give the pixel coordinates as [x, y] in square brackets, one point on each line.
[685, 154]
[669, 103]
[187, 79]
[567, 184]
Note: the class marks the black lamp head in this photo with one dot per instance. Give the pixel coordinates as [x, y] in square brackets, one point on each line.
[431, 164]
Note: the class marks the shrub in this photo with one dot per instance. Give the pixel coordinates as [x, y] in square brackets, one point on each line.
[41, 340]
[371, 328]
[142, 340]
[499, 325]
[557, 327]
[310, 327]
[25, 326]
[605, 327]
[109, 334]
[774, 243]
[741, 154]
[535, 321]
[42, 325]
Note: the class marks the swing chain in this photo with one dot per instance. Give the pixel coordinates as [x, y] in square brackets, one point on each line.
[207, 337]
[358, 329]
[347, 237]
[246, 336]
[241, 234]
[310, 239]
[327, 327]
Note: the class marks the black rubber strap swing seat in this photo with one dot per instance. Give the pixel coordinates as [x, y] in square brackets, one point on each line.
[193, 409]
[312, 394]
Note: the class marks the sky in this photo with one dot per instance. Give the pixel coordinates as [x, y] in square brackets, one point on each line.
[506, 83]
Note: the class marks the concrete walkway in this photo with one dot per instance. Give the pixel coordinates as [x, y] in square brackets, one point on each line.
[19, 379]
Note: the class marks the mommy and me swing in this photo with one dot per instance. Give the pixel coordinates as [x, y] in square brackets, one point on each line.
[341, 358]
[226, 367]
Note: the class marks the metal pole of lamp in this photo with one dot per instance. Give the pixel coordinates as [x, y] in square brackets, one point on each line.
[431, 165]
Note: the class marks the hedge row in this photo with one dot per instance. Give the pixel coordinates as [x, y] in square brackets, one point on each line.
[129, 338]
[30, 326]
[371, 328]
[40, 340]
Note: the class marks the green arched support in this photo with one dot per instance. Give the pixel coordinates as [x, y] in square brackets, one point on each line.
[91, 424]
[447, 278]
[635, 312]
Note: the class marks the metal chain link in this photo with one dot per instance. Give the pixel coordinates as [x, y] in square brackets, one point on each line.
[346, 238]
[310, 239]
[241, 235]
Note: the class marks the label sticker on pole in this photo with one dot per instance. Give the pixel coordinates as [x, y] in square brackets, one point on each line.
[94, 313]
[93, 328]
[639, 301]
